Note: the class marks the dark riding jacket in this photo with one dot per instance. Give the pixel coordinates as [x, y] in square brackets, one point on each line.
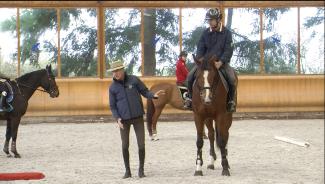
[124, 97]
[217, 43]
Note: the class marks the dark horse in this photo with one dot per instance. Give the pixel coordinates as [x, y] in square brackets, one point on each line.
[209, 102]
[23, 88]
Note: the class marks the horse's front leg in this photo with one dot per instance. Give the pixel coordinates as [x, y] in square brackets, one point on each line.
[213, 156]
[199, 123]
[8, 136]
[222, 136]
[14, 130]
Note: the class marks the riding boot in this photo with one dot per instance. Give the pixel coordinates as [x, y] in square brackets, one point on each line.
[2, 99]
[190, 81]
[230, 77]
[141, 160]
[126, 163]
[231, 105]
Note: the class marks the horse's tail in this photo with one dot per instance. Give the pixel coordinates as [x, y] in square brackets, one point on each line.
[150, 112]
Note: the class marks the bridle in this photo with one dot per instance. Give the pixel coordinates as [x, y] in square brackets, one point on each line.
[213, 86]
[49, 90]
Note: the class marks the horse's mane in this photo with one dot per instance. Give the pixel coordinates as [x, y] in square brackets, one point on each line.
[27, 76]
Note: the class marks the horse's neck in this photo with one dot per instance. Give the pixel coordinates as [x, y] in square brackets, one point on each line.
[29, 83]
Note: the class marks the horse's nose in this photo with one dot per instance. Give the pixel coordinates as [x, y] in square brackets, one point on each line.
[207, 101]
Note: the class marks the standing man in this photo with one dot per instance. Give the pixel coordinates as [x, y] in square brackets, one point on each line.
[181, 69]
[216, 40]
[127, 108]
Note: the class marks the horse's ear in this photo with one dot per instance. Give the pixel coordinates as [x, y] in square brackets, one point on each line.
[50, 67]
[197, 61]
[212, 59]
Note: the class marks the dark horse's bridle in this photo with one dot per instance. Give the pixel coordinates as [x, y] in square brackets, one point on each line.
[49, 90]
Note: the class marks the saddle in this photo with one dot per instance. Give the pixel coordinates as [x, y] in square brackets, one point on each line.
[8, 90]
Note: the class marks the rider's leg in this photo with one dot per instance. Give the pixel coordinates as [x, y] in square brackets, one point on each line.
[230, 76]
[3, 95]
[190, 80]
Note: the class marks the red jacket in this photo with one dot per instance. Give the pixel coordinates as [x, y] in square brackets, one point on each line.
[181, 70]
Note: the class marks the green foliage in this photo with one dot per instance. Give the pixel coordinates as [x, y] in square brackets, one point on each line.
[122, 40]
[33, 24]
[167, 31]
[316, 20]
[78, 49]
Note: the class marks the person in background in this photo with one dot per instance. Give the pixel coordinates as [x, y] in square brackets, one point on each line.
[181, 69]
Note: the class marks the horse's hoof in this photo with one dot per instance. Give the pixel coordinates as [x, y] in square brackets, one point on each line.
[17, 156]
[205, 137]
[7, 152]
[9, 155]
[198, 173]
[154, 137]
[225, 172]
[210, 167]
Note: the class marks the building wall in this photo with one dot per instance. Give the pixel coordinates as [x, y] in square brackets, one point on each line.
[89, 96]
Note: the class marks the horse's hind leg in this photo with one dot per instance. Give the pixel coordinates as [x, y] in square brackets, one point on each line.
[155, 117]
[14, 130]
[222, 140]
[8, 136]
[213, 155]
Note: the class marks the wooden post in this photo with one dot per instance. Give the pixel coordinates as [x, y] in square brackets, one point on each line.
[298, 48]
[18, 37]
[262, 68]
[180, 31]
[59, 41]
[101, 42]
[142, 42]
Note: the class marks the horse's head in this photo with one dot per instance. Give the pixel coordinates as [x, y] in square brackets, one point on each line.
[206, 78]
[48, 83]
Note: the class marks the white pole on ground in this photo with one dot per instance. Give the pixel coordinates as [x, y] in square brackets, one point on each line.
[292, 141]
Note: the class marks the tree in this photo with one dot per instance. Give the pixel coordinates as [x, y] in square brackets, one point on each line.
[34, 23]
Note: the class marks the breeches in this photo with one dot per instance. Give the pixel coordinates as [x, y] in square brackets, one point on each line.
[138, 125]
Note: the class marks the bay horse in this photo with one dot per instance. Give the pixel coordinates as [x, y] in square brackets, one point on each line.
[209, 102]
[155, 107]
[23, 89]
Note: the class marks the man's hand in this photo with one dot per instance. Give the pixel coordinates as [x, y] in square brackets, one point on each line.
[119, 122]
[160, 92]
[217, 64]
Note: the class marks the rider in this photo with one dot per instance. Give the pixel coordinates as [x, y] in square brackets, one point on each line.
[3, 93]
[181, 69]
[216, 40]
